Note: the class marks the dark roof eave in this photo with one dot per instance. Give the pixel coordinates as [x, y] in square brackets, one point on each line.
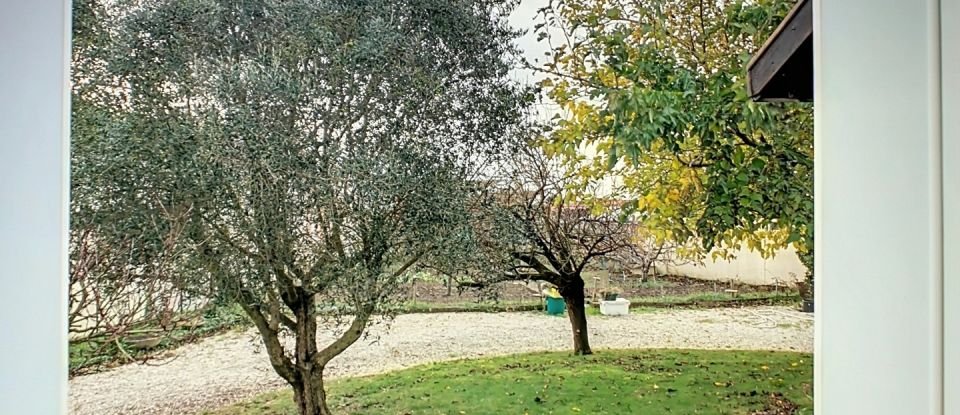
[777, 72]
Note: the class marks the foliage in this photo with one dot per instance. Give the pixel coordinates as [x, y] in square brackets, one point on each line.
[657, 89]
[124, 242]
[309, 154]
[615, 382]
[561, 230]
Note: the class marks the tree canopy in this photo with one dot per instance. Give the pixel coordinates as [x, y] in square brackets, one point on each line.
[312, 152]
[658, 90]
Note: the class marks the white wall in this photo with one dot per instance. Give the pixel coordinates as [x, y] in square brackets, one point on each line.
[950, 39]
[748, 268]
[34, 102]
[878, 245]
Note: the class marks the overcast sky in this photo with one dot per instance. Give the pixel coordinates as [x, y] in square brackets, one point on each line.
[524, 17]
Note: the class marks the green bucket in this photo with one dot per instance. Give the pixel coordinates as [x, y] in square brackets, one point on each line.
[555, 306]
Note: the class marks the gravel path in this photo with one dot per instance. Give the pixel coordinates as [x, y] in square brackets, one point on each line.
[230, 368]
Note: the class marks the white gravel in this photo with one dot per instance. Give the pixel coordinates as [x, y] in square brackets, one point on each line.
[229, 368]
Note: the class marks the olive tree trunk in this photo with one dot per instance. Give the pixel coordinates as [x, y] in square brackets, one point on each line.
[304, 370]
[308, 392]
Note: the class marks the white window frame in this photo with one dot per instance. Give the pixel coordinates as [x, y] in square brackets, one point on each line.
[34, 184]
[887, 142]
[879, 192]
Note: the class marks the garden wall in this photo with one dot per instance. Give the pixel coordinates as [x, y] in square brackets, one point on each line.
[748, 268]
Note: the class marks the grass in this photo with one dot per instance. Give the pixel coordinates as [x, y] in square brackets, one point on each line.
[641, 305]
[470, 306]
[715, 299]
[650, 382]
[655, 283]
[638, 304]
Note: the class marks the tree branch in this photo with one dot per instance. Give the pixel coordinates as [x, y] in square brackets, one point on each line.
[692, 164]
[743, 137]
[271, 338]
[542, 270]
[349, 337]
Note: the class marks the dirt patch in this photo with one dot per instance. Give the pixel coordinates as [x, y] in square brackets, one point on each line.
[777, 405]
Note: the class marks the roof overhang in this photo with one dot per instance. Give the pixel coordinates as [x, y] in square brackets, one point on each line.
[783, 68]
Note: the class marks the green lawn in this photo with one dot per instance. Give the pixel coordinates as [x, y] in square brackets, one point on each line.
[470, 306]
[646, 382]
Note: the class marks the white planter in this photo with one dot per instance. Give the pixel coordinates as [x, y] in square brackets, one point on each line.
[618, 307]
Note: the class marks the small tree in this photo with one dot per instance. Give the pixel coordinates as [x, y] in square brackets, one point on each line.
[322, 149]
[544, 228]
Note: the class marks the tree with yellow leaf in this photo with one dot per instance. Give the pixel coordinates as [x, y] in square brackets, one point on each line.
[657, 89]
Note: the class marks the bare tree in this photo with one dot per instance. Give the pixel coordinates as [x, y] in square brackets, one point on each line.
[115, 289]
[540, 228]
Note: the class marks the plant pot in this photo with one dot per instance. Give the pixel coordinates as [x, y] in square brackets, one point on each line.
[807, 306]
[618, 307]
[556, 305]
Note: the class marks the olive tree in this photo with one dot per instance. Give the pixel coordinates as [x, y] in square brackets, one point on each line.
[318, 150]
